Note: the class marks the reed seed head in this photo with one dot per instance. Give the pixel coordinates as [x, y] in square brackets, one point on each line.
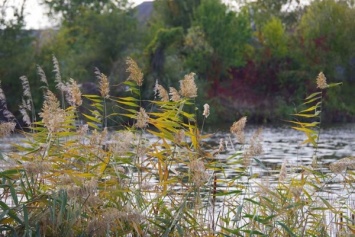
[142, 119]
[25, 117]
[188, 87]
[6, 128]
[343, 164]
[120, 142]
[73, 93]
[322, 81]
[180, 136]
[174, 94]
[42, 75]
[283, 171]
[162, 93]
[135, 73]
[52, 115]
[238, 129]
[25, 86]
[198, 172]
[206, 110]
[104, 84]
[254, 149]
[58, 78]
[3, 106]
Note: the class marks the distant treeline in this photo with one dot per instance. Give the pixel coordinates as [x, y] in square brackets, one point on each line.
[259, 61]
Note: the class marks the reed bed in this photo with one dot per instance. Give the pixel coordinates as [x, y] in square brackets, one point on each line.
[95, 173]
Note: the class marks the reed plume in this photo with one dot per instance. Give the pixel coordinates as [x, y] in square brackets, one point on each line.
[135, 74]
[255, 148]
[3, 106]
[42, 76]
[198, 172]
[343, 164]
[238, 129]
[27, 102]
[6, 128]
[52, 115]
[321, 81]
[142, 119]
[188, 87]
[58, 78]
[162, 93]
[174, 94]
[104, 84]
[73, 93]
[283, 171]
[206, 110]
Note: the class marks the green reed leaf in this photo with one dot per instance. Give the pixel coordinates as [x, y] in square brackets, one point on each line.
[334, 84]
[312, 100]
[313, 95]
[288, 230]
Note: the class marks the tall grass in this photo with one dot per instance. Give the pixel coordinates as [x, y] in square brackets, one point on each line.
[153, 175]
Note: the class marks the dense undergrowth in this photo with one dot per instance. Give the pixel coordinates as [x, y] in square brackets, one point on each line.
[114, 168]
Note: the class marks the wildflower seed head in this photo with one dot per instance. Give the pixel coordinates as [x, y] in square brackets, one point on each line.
[162, 93]
[206, 110]
[142, 119]
[321, 81]
[188, 87]
[238, 129]
[174, 94]
[135, 74]
[73, 93]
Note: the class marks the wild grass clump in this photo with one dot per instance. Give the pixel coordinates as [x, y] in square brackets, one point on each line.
[72, 175]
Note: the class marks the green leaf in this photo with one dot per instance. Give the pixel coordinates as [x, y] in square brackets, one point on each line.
[334, 84]
[288, 230]
[313, 95]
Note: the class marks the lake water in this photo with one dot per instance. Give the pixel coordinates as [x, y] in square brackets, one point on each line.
[279, 144]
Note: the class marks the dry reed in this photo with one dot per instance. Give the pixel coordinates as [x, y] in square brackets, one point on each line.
[321, 81]
[238, 129]
[135, 74]
[188, 87]
[174, 94]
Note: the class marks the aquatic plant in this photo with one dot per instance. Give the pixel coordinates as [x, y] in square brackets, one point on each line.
[72, 175]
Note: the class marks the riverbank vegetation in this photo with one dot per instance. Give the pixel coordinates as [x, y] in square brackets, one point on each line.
[257, 60]
[104, 165]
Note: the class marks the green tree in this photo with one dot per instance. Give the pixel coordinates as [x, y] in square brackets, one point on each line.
[16, 53]
[94, 39]
[175, 13]
[223, 37]
[327, 33]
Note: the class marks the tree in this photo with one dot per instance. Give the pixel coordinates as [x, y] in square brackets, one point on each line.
[100, 36]
[175, 13]
[16, 53]
[224, 36]
[71, 10]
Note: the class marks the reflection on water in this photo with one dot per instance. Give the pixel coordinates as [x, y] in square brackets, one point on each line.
[281, 144]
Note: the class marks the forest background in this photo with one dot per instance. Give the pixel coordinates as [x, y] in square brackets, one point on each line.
[258, 60]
